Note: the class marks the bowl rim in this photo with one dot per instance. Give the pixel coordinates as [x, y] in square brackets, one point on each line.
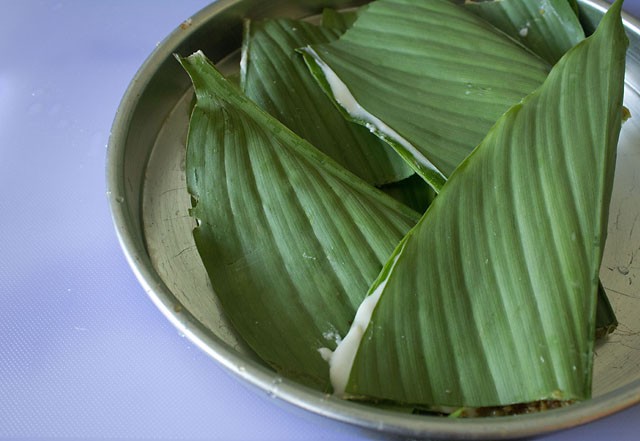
[262, 378]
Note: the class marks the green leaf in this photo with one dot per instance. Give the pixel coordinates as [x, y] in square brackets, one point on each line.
[491, 298]
[430, 78]
[552, 32]
[275, 76]
[413, 192]
[291, 241]
[575, 7]
[339, 20]
[547, 27]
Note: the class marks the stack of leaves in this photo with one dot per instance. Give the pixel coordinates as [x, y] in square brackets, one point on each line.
[316, 233]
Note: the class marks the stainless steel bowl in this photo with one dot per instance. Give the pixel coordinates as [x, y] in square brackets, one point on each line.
[149, 202]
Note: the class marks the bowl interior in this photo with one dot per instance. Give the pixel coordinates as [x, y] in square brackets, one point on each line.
[147, 187]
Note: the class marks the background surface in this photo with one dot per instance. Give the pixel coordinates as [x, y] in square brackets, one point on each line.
[83, 352]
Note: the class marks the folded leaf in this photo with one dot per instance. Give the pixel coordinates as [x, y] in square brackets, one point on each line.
[552, 29]
[547, 27]
[430, 78]
[275, 76]
[291, 241]
[491, 298]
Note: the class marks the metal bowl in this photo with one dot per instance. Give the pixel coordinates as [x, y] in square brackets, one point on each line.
[149, 202]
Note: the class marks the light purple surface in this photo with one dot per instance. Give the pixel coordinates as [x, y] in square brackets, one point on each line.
[83, 352]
